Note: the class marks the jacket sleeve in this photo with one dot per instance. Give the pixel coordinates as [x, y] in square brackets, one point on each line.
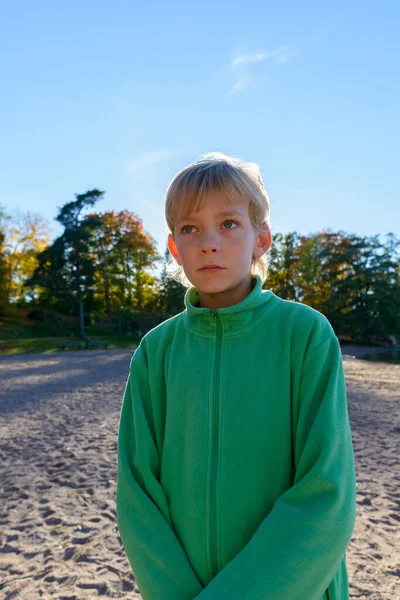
[298, 547]
[158, 561]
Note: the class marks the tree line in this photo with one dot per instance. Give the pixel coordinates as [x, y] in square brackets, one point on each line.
[103, 262]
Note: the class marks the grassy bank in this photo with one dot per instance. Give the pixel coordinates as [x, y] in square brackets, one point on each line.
[54, 344]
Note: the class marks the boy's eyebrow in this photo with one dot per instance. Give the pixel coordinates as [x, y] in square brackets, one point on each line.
[225, 213]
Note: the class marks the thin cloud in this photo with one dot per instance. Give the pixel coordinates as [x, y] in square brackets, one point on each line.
[252, 58]
[240, 84]
[281, 54]
[149, 159]
[239, 65]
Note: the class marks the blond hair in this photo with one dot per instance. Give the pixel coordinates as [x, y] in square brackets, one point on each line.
[217, 172]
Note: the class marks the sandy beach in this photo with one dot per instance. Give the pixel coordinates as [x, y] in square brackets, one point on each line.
[58, 430]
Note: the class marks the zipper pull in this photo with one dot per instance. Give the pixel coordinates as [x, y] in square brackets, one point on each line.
[213, 317]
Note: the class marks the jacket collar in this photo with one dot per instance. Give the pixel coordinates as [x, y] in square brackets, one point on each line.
[233, 319]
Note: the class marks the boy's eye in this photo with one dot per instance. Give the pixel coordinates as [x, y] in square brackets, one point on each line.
[184, 227]
[228, 221]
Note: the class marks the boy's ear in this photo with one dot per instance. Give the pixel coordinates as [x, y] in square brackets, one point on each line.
[172, 248]
[264, 241]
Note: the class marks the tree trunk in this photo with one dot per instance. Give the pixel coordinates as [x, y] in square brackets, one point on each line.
[81, 315]
[104, 272]
[80, 299]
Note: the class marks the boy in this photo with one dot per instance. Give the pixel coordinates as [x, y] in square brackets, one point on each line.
[236, 476]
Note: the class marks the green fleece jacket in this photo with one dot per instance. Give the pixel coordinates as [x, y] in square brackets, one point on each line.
[236, 475]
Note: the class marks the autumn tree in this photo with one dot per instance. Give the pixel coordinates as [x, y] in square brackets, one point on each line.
[123, 252]
[3, 268]
[312, 288]
[364, 296]
[352, 280]
[283, 265]
[25, 235]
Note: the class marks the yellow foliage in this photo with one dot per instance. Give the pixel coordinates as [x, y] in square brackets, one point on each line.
[26, 234]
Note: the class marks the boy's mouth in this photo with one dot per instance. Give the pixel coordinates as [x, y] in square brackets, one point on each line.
[212, 268]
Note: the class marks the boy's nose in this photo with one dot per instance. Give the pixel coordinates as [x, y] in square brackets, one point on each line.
[209, 244]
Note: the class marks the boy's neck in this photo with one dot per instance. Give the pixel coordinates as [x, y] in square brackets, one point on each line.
[226, 297]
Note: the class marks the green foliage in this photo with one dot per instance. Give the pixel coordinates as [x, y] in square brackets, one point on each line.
[65, 274]
[172, 293]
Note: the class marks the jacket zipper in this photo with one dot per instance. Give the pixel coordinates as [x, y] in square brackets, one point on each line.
[214, 452]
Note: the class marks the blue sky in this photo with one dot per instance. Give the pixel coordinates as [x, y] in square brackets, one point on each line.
[121, 95]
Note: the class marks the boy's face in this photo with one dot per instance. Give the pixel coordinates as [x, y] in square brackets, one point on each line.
[229, 241]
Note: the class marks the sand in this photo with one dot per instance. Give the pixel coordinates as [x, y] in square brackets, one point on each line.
[58, 430]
